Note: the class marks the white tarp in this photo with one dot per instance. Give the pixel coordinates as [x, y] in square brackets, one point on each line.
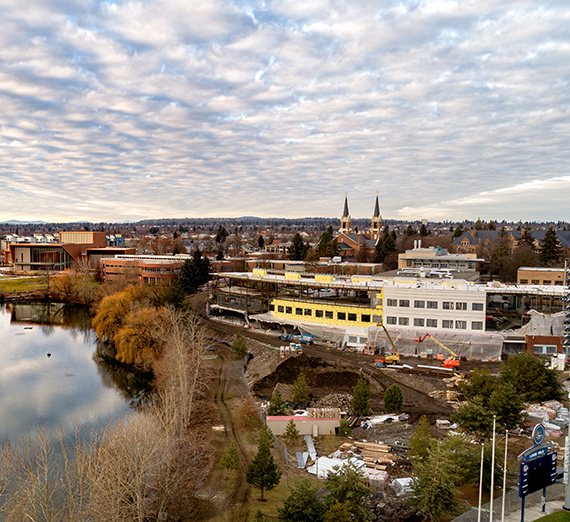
[543, 324]
[324, 465]
[470, 346]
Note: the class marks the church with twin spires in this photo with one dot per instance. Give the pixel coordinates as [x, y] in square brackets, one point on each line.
[359, 245]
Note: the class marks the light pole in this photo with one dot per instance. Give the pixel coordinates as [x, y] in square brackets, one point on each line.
[566, 345]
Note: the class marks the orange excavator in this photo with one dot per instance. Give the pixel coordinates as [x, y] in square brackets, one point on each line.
[450, 362]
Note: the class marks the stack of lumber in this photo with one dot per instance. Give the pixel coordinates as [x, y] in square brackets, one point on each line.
[376, 456]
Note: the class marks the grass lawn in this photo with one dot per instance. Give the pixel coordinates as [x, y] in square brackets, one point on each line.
[275, 497]
[559, 516]
[23, 284]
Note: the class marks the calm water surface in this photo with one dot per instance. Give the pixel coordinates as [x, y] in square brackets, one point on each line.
[77, 384]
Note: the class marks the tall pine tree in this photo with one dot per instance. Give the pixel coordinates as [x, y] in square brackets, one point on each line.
[550, 248]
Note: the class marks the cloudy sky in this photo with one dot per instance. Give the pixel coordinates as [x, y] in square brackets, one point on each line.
[116, 111]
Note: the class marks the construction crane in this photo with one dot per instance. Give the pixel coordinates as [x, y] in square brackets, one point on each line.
[394, 358]
[450, 362]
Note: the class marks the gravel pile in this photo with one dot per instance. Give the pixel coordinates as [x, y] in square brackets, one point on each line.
[334, 400]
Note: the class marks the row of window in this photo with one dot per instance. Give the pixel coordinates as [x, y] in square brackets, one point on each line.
[432, 323]
[446, 305]
[537, 282]
[327, 314]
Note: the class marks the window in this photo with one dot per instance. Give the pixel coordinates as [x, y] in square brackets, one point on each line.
[431, 323]
[547, 282]
[341, 316]
[377, 318]
[329, 315]
[461, 325]
[477, 306]
[391, 302]
[432, 304]
[308, 311]
[299, 311]
[534, 282]
[365, 318]
[418, 322]
[272, 308]
[288, 310]
[477, 325]
[419, 304]
[403, 321]
[447, 323]
[524, 281]
[404, 302]
[281, 309]
[318, 313]
[544, 348]
[461, 306]
[352, 317]
[558, 283]
[390, 320]
[447, 305]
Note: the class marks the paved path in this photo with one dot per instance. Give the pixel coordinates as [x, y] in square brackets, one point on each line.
[532, 512]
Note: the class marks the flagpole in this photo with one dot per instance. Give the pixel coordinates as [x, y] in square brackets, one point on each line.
[492, 473]
[481, 482]
[505, 476]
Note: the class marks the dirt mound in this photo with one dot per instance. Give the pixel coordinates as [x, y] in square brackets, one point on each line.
[322, 378]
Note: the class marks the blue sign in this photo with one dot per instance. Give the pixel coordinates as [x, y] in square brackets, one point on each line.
[537, 474]
[538, 434]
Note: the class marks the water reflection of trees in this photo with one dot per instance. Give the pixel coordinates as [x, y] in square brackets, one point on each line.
[73, 317]
[135, 386]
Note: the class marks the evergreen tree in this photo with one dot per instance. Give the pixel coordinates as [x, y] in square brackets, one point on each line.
[298, 249]
[420, 442]
[526, 237]
[344, 429]
[550, 248]
[277, 404]
[291, 432]
[433, 489]
[506, 403]
[230, 459]
[239, 346]
[458, 231]
[221, 234]
[302, 504]
[327, 246]
[482, 384]
[424, 231]
[394, 399]
[347, 485]
[338, 512]
[260, 242]
[361, 397]
[194, 272]
[532, 379]
[479, 225]
[474, 417]
[501, 250]
[301, 390]
[263, 473]
[410, 231]
[266, 436]
[491, 225]
[385, 245]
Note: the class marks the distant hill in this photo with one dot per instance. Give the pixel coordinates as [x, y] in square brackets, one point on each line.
[18, 222]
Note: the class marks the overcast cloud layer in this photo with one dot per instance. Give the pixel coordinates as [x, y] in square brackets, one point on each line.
[122, 111]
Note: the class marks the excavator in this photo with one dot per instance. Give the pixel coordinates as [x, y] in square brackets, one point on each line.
[393, 358]
[450, 362]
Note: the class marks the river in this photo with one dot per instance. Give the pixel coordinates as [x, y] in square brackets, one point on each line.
[76, 384]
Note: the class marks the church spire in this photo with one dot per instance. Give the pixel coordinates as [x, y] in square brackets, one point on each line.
[376, 208]
[345, 221]
[345, 212]
[376, 221]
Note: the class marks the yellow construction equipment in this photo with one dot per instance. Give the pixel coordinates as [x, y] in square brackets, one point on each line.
[393, 358]
[450, 362]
